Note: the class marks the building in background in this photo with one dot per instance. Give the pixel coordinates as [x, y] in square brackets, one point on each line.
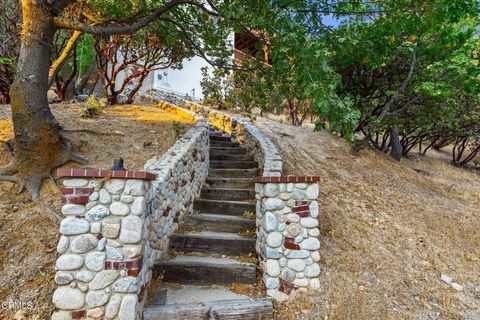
[185, 82]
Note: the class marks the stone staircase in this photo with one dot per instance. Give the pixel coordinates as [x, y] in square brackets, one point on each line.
[195, 283]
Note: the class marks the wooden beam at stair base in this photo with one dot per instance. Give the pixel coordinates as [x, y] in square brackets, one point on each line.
[241, 309]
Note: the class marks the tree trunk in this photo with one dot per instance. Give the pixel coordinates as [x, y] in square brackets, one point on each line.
[92, 82]
[82, 83]
[396, 152]
[293, 112]
[38, 146]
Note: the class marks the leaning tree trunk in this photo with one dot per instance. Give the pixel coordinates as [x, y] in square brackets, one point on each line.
[397, 151]
[38, 146]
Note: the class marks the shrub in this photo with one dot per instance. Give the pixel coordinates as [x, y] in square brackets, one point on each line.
[93, 107]
[178, 128]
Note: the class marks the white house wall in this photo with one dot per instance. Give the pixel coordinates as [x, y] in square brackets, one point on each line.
[184, 81]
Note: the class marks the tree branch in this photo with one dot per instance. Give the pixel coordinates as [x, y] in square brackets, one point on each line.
[57, 64]
[115, 29]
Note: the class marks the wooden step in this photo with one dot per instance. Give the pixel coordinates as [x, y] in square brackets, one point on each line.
[174, 293]
[233, 173]
[223, 150]
[239, 309]
[229, 183]
[219, 137]
[234, 157]
[233, 164]
[218, 222]
[212, 242]
[205, 271]
[228, 194]
[231, 208]
[225, 144]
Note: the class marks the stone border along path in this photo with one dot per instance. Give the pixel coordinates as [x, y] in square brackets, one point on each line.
[120, 225]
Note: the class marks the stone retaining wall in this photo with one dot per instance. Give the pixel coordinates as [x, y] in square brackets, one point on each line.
[180, 175]
[287, 233]
[117, 225]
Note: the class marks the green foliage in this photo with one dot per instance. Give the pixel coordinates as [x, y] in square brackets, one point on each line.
[374, 56]
[85, 53]
[178, 128]
[93, 107]
[218, 90]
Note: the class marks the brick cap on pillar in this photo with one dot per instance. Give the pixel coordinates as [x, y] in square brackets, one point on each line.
[98, 173]
[286, 179]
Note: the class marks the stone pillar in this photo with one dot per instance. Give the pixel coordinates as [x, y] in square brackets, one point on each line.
[101, 272]
[287, 233]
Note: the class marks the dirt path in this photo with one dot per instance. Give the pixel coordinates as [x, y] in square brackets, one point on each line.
[388, 232]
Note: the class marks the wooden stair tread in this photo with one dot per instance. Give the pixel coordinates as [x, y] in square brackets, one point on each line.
[239, 309]
[219, 222]
[235, 208]
[200, 270]
[236, 194]
[230, 244]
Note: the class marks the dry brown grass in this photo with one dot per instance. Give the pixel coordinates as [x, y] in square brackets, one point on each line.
[387, 232]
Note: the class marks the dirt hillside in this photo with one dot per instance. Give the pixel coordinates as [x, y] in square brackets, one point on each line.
[388, 232]
[28, 236]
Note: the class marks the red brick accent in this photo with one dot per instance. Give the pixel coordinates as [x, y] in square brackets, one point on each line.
[75, 199]
[141, 294]
[285, 286]
[133, 272]
[99, 236]
[286, 179]
[300, 208]
[132, 266]
[79, 314]
[304, 214]
[166, 211]
[289, 243]
[76, 195]
[98, 173]
[77, 191]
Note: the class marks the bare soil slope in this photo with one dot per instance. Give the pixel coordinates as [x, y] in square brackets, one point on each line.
[388, 232]
[28, 236]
